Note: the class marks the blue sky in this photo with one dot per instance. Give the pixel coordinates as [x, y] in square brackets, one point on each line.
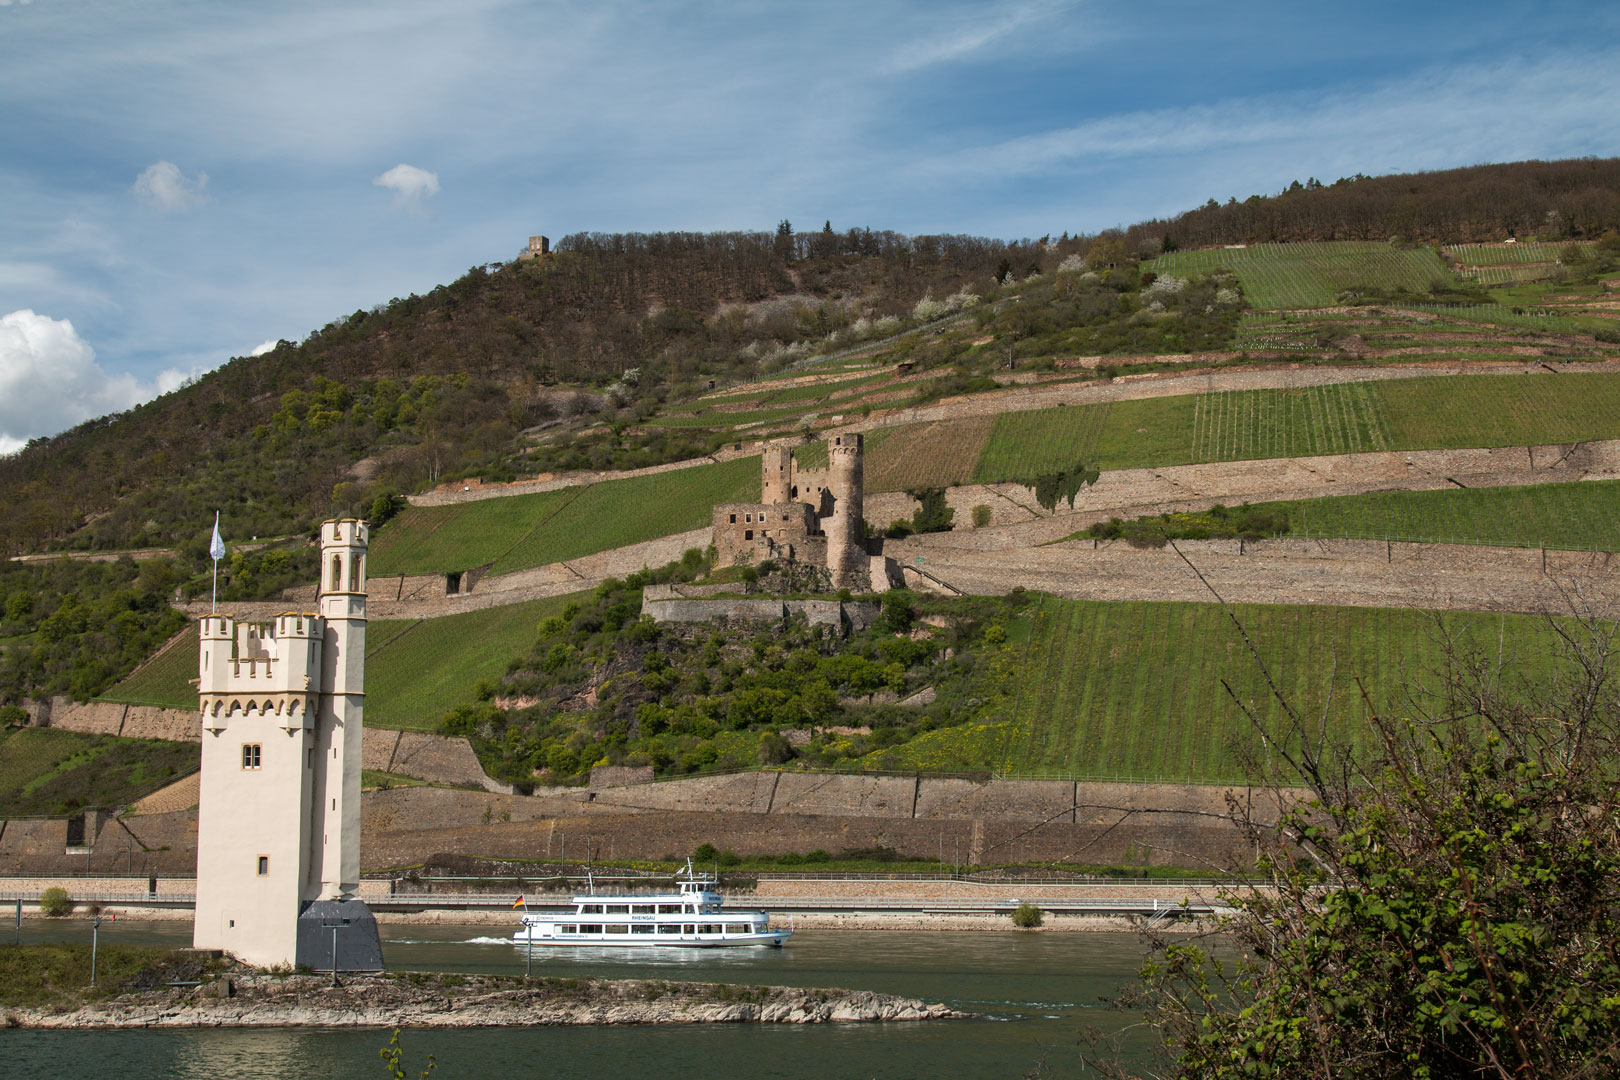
[183, 181]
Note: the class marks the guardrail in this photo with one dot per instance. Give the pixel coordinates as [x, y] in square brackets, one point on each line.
[1006, 900]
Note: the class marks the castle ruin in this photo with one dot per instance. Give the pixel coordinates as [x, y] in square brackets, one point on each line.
[807, 516]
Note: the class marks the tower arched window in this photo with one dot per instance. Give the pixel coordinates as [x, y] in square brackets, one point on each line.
[337, 572]
[354, 574]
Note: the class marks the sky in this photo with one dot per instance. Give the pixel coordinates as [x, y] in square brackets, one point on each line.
[184, 181]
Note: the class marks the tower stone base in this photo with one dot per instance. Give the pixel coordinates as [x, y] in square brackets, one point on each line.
[359, 948]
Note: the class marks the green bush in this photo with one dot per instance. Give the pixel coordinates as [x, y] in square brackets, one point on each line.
[55, 902]
[981, 516]
[1027, 917]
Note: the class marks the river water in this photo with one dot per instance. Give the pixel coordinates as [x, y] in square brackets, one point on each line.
[1037, 994]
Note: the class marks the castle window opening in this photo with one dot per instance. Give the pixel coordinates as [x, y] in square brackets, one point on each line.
[264, 868]
[748, 534]
[337, 572]
[354, 575]
[251, 755]
[795, 491]
[734, 519]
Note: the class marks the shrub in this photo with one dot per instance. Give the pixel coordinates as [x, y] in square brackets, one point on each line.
[55, 902]
[1027, 917]
[981, 516]
[705, 853]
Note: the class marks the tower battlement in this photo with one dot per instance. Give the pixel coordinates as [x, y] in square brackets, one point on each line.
[260, 668]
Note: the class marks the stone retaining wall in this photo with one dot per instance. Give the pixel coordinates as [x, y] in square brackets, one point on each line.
[1342, 572]
[750, 813]
[841, 615]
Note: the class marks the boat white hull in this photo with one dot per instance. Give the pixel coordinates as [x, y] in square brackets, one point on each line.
[769, 939]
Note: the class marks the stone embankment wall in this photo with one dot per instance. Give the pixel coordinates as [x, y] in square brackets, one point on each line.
[130, 721]
[750, 813]
[664, 604]
[1366, 573]
[774, 813]
[407, 753]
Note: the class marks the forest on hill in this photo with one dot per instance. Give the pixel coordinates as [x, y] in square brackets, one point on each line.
[1556, 200]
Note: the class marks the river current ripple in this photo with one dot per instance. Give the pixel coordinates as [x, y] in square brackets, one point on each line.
[1037, 993]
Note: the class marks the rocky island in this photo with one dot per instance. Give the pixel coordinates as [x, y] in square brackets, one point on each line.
[218, 994]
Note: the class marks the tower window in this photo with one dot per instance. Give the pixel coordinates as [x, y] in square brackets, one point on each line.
[748, 534]
[354, 575]
[250, 755]
[734, 519]
[264, 866]
[337, 572]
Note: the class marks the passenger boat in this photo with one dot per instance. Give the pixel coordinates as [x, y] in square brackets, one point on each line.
[693, 917]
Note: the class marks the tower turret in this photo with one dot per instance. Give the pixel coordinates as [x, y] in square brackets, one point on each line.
[776, 474]
[846, 531]
[338, 740]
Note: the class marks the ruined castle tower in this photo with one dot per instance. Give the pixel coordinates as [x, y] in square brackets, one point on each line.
[846, 532]
[776, 474]
[278, 817]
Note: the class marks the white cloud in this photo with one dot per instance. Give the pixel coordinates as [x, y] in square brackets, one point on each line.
[49, 380]
[165, 188]
[1494, 112]
[968, 38]
[409, 184]
[260, 350]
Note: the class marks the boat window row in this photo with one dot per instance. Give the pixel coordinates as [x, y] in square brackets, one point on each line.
[662, 928]
[637, 909]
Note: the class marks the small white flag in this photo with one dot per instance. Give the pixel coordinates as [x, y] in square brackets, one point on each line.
[216, 547]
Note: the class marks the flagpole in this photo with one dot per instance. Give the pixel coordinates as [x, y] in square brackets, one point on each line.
[216, 549]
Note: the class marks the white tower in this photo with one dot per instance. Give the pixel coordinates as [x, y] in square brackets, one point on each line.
[278, 818]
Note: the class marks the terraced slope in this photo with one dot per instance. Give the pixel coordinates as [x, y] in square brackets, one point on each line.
[1134, 690]
[164, 682]
[58, 772]
[1579, 516]
[1313, 274]
[524, 531]
[1439, 412]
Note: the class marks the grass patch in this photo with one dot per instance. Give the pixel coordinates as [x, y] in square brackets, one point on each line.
[429, 666]
[59, 975]
[1579, 516]
[443, 539]
[47, 772]
[166, 681]
[621, 512]
[377, 780]
[518, 532]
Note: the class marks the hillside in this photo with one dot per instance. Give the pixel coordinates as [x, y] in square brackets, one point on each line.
[985, 370]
